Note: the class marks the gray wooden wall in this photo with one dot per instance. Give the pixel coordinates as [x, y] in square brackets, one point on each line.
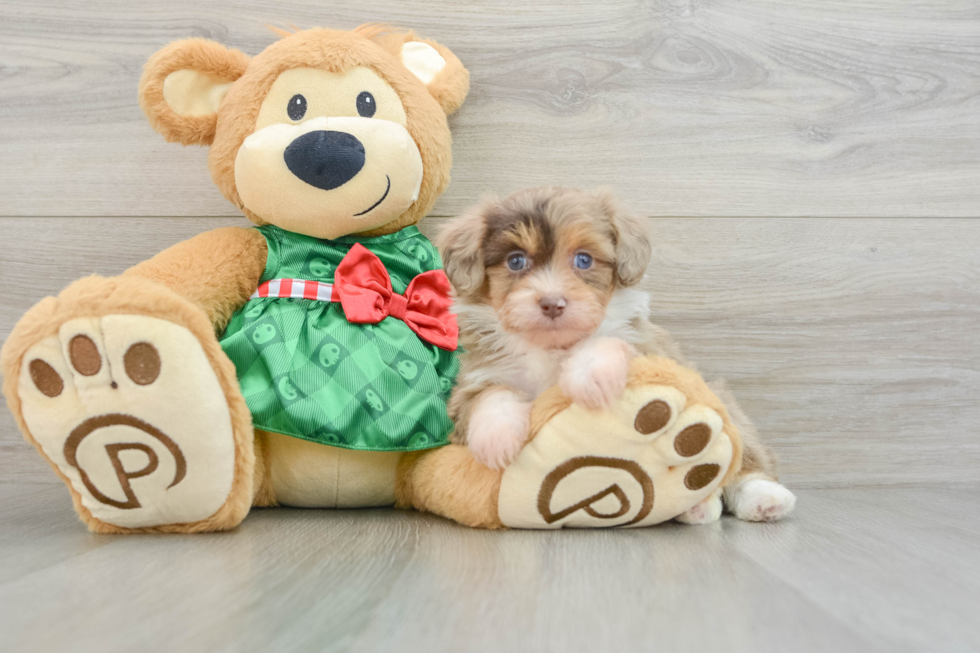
[809, 171]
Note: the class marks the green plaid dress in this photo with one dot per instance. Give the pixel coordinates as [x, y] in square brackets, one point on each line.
[307, 372]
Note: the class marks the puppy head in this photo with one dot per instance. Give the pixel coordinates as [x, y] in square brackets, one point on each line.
[546, 259]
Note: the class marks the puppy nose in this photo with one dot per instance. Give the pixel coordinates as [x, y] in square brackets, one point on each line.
[325, 159]
[552, 306]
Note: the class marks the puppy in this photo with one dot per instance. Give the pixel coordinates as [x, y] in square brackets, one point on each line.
[544, 283]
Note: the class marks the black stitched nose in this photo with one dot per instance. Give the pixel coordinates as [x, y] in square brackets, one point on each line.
[325, 159]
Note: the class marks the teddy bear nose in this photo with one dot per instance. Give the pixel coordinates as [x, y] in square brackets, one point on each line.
[325, 159]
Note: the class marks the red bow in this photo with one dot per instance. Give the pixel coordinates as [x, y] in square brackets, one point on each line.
[364, 287]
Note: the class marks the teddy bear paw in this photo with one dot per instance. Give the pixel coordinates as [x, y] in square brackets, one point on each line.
[652, 456]
[130, 411]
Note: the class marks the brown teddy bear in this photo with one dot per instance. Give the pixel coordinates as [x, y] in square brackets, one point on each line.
[307, 361]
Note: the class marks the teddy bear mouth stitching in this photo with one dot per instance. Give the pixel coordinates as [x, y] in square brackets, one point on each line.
[373, 206]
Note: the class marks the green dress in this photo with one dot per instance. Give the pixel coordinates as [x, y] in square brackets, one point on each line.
[307, 372]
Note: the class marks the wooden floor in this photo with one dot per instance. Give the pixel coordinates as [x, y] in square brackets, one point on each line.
[852, 570]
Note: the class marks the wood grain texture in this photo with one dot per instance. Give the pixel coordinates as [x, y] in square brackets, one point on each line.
[729, 107]
[865, 569]
[852, 343]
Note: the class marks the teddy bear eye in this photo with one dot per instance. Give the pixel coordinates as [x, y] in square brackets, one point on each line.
[583, 261]
[517, 261]
[296, 107]
[366, 106]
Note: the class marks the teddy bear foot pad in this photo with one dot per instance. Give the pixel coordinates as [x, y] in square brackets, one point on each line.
[645, 460]
[130, 411]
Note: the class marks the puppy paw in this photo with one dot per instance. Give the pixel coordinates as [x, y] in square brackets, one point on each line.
[498, 429]
[761, 500]
[706, 512]
[595, 374]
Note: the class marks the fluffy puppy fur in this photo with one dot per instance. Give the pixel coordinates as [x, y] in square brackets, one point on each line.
[545, 295]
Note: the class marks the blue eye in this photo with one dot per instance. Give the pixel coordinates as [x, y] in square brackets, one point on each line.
[583, 261]
[517, 262]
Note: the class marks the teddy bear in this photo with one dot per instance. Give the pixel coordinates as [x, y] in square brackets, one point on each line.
[307, 361]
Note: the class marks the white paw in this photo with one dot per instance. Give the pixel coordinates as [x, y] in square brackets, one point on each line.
[706, 512]
[498, 429]
[595, 374]
[130, 411]
[761, 500]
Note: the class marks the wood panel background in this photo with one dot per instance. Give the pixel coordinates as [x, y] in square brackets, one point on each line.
[688, 107]
[853, 342]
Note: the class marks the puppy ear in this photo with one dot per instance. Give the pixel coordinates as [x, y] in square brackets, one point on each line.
[632, 241]
[183, 85]
[461, 245]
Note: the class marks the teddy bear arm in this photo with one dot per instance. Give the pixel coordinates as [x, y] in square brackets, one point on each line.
[217, 270]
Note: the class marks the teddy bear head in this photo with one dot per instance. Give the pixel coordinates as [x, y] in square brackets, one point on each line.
[325, 133]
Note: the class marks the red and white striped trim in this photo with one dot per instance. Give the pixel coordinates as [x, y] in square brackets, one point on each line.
[298, 288]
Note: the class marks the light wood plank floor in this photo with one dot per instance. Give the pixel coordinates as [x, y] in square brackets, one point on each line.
[852, 570]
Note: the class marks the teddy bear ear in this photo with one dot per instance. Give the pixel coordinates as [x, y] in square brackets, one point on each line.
[183, 85]
[439, 69]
